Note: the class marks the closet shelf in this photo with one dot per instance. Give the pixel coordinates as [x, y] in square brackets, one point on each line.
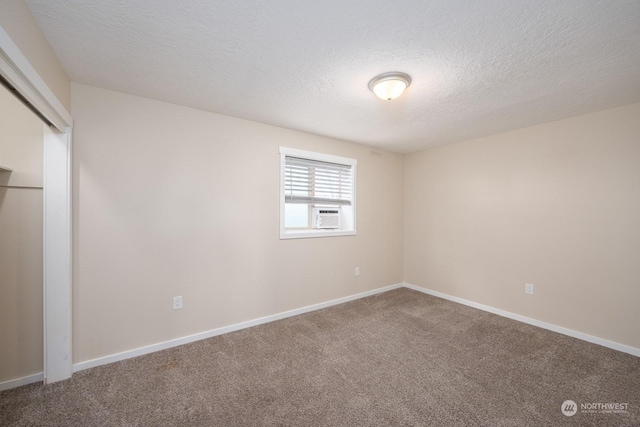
[5, 169]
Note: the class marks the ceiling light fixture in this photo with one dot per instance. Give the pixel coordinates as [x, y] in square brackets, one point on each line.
[389, 86]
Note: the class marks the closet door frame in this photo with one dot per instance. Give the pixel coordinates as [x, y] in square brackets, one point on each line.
[57, 251]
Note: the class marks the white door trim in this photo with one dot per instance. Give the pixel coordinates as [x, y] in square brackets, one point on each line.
[16, 69]
[58, 350]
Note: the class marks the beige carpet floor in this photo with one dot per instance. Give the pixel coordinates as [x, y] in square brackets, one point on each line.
[400, 358]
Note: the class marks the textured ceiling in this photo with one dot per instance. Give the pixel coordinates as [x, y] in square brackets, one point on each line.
[478, 67]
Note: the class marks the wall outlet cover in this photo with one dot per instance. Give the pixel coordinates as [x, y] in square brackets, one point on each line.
[177, 302]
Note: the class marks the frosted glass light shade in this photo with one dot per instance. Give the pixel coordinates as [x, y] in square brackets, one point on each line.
[389, 86]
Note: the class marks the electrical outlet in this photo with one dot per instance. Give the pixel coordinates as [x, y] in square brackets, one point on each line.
[177, 303]
[528, 288]
[357, 271]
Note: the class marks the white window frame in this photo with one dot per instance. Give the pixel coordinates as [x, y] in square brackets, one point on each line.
[311, 155]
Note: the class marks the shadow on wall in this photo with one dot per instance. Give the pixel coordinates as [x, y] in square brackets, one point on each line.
[4, 177]
[4, 180]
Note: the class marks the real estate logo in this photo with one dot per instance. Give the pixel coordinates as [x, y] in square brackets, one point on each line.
[569, 408]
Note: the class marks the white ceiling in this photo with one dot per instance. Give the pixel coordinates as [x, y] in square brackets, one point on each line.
[478, 67]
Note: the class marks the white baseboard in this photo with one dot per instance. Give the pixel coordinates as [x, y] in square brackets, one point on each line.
[6, 385]
[238, 326]
[544, 325]
[223, 330]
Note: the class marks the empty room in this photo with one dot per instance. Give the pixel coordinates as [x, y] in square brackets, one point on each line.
[336, 213]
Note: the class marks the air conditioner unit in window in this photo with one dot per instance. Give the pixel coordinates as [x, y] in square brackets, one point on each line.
[327, 218]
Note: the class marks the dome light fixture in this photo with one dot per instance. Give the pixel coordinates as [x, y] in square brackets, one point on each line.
[389, 86]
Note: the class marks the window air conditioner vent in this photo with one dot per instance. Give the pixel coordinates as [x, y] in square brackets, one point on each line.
[326, 218]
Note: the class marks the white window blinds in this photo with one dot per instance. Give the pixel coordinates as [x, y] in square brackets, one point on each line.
[311, 181]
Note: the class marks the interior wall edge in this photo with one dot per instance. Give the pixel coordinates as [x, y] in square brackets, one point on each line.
[255, 322]
[224, 330]
[534, 322]
[20, 25]
[17, 382]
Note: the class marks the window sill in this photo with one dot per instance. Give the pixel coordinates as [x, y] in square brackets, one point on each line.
[306, 234]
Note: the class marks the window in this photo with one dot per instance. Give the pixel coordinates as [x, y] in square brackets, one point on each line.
[317, 194]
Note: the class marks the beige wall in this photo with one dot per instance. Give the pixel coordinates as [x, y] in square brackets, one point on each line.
[164, 205]
[174, 201]
[17, 21]
[556, 205]
[21, 136]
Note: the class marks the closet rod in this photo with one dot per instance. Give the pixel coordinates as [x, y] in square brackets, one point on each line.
[21, 186]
